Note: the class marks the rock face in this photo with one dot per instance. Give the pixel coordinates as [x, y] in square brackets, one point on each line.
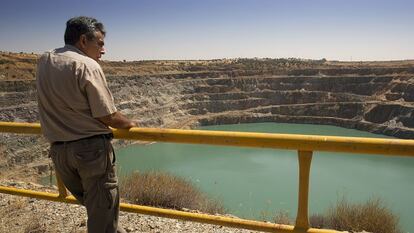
[377, 100]
[379, 104]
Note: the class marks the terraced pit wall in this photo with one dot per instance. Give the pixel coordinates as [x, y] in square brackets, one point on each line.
[379, 103]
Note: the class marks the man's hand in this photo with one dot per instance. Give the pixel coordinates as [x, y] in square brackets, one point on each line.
[117, 120]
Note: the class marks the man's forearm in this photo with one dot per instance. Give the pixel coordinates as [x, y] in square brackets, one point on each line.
[117, 120]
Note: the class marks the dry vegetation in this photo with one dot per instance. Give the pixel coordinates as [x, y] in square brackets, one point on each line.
[21, 66]
[370, 216]
[15, 66]
[169, 191]
[166, 191]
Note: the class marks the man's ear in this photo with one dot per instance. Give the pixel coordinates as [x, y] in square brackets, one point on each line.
[82, 41]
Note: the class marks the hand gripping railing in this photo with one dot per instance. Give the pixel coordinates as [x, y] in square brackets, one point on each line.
[304, 144]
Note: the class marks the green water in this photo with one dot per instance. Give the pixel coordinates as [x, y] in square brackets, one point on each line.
[253, 183]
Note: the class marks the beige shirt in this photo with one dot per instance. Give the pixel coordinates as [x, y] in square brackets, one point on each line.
[72, 93]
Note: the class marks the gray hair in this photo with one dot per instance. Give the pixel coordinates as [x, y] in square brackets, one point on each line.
[82, 25]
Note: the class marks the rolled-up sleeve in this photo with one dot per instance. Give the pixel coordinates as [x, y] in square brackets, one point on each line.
[99, 96]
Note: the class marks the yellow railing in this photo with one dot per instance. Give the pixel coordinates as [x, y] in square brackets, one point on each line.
[304, 144]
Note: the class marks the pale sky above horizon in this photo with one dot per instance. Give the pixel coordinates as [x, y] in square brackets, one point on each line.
[210, 29]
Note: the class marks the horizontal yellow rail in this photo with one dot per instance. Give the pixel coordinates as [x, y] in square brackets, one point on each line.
[243, 139]
[305, 144]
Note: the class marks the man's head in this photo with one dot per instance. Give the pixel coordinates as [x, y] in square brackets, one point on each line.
[87, 34]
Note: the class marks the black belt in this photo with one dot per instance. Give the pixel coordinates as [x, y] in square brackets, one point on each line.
[108, 136]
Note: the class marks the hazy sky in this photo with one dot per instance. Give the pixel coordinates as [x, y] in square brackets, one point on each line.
[207, 29]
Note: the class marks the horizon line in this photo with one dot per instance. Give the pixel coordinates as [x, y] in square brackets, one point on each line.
[230, 58]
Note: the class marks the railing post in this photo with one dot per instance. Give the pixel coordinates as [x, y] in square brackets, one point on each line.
[302, 219]
[61, 187]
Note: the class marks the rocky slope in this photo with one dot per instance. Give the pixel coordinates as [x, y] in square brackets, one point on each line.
[371, 96]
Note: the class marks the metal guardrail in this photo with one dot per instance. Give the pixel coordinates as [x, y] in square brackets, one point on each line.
[304, 144]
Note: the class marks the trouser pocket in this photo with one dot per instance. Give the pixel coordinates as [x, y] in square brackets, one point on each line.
[113, 195]
[91, 157]
[109, 192]
[110, 180]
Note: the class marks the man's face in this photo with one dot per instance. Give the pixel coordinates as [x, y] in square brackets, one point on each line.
[93, 48]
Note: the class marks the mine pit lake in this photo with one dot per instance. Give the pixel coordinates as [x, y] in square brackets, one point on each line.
[256, 183]
[252, 183]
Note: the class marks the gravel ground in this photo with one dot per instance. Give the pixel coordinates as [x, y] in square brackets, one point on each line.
[24, 215]
[30, 215]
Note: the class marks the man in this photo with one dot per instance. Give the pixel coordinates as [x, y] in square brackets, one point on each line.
[76, 107]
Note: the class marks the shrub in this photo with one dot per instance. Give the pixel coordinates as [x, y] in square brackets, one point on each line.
[371, 216]
[282, 217]
[318, 221]
[167, 191]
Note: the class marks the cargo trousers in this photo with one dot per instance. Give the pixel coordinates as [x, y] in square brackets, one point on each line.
[87, 168]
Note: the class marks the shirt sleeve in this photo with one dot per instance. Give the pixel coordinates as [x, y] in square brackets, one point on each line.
[99, 96]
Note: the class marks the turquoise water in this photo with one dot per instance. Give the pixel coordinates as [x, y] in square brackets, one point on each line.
[256, 183]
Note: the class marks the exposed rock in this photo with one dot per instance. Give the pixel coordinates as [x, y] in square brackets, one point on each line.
[378, 104]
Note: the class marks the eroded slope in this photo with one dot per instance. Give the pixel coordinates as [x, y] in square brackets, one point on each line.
[376, 97]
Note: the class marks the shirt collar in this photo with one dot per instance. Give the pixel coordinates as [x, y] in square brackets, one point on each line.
[74, 48]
